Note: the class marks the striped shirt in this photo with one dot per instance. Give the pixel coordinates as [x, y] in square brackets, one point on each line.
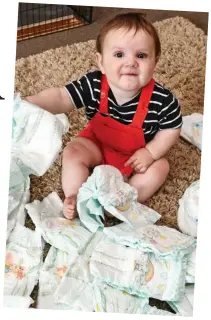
[163, 110]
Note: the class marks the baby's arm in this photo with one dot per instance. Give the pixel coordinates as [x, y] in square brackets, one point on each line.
[54, 100]
[170, 122]
[162, 142]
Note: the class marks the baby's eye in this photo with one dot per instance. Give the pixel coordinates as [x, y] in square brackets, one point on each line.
[118, 54]
[141, 55]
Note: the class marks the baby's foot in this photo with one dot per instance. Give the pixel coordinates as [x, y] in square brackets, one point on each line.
[69, 208]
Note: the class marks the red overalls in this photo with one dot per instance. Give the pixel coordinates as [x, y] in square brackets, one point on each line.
[117, 141]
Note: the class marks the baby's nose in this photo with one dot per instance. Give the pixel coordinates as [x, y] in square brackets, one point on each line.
[131, 61]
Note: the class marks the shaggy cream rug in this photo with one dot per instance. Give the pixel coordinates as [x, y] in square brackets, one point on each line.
[181, 68]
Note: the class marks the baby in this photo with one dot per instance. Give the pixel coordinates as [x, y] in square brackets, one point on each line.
[133, 120]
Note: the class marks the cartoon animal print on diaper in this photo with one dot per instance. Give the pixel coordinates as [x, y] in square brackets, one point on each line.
[124, 206]
[149, 235]
[60, 271]
[150, 272]
[196, 128]
[11, 268]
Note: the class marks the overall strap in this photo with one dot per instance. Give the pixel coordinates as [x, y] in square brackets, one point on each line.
[104, 95]
[143, 103]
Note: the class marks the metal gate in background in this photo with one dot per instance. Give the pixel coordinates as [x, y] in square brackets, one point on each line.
[36, 20]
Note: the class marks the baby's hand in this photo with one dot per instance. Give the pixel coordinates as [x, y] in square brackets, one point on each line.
[140, 160]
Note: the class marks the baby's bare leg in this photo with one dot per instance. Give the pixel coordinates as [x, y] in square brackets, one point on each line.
[151, 180]
[79, 157]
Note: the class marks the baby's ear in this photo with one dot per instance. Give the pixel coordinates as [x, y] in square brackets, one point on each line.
[99, 59]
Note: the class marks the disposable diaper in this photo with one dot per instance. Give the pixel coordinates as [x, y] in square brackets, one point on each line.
[192, 129]
[66, 235]
[187, 216]
[105, 190]
[23, 260]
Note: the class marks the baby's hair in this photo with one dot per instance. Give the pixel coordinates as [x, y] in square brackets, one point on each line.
[131, 20]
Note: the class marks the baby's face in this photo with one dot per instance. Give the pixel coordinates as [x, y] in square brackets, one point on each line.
[128, 59]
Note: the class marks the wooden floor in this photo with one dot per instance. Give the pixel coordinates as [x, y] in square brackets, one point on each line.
[48, 27]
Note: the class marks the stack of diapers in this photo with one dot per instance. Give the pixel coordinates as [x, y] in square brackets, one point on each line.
[192, 129]
[161, 240]
[23, 261]
[66, 235]
[31, 125]
[106, 190]
[187, 216]
[156, 269]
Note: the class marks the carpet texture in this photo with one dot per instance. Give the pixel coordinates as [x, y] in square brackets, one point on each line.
[181, 68]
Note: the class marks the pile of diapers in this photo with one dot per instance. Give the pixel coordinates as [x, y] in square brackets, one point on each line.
[114, 269]
[28, 156]
[89, 267]
[111, 269]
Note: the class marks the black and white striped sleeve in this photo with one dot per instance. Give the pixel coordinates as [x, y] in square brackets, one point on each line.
[83, 92]
[170, 114]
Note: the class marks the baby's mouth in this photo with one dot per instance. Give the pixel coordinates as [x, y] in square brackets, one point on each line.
[130, 74]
